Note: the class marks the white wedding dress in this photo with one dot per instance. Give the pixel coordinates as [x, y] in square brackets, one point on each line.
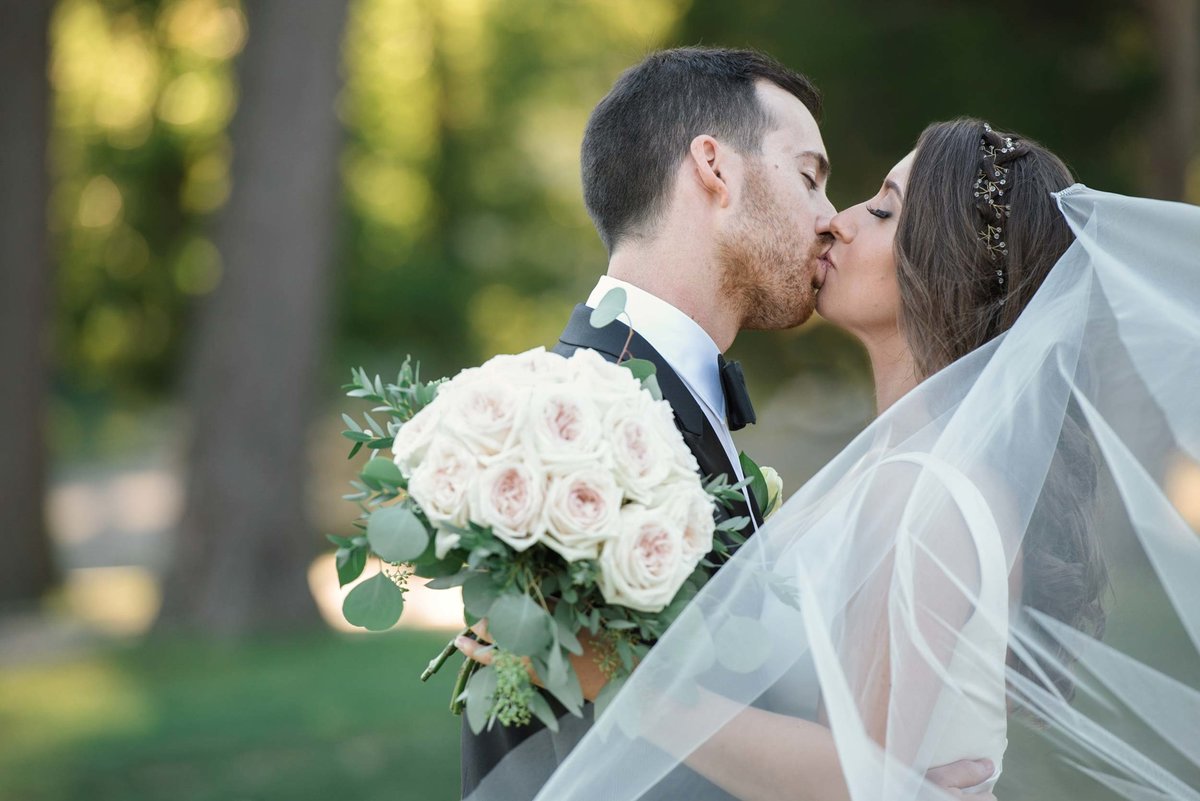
[888, 606]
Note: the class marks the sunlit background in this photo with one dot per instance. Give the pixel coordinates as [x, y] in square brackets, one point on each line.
[457, 231]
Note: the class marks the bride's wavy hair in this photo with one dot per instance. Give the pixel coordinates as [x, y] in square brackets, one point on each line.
[953, 301]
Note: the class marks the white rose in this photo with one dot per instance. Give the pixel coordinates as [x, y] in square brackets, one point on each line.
[413, 439]
[691, 508]
[642, 459]
[508, 498]
[774, 490]
[486, 415]
[583, 510]
[444, 542]
[563, 427]
[642, 567]
[607, 382]
[533, 367]
[440, 483]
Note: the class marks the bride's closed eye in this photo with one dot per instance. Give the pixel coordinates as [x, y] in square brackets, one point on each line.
[880, 213]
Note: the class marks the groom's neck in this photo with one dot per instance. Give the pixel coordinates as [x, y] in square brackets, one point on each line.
[686, 278]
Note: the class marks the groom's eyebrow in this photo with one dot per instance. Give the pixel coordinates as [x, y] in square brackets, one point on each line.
[822, 162]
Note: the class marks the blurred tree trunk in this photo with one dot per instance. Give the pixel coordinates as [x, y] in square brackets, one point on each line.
[245, 541]
[1174, 138]
[26, 571]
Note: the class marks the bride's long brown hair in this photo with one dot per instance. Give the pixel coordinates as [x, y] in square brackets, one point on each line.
[952, 301]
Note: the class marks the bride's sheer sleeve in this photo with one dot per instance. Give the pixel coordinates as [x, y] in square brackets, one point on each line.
[923, 643]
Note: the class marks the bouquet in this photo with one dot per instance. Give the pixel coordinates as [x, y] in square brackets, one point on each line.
[558, 493]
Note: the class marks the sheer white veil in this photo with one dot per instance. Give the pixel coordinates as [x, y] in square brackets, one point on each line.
[902, 610]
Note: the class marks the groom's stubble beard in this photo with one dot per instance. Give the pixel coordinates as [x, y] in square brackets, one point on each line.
[768, 262]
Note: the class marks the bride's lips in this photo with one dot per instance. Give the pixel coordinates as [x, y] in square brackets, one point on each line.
[824, 265]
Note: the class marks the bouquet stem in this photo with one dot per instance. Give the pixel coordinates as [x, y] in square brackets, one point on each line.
[436, 663]
[465, 673]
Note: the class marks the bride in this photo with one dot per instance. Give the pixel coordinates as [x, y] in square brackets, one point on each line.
[942, 579]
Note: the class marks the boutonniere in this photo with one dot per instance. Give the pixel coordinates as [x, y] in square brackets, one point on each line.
[765, 483]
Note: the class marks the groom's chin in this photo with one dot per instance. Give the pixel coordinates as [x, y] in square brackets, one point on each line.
[777, 317]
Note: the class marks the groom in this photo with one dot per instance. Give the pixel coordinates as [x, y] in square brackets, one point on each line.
[704, 173]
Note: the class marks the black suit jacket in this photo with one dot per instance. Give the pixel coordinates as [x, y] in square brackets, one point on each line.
[482, 752]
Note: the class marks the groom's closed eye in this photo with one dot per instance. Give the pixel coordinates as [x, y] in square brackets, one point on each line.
[816, 160]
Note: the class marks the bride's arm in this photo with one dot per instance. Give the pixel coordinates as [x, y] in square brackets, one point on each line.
[901, 632]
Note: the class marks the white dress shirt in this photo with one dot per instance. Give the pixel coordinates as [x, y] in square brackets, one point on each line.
[685, 346]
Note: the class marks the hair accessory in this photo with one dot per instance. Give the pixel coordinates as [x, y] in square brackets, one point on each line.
[991, 187]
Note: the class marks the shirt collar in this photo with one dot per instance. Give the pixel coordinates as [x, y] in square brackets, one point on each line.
[678, 338]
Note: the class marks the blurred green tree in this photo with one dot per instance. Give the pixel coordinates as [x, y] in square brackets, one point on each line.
[26, 571]
[245, 541]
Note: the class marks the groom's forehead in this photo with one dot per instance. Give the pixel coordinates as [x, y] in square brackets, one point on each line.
[793, 125]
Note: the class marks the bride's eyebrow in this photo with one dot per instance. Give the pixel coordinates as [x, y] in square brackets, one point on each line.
[895, 187]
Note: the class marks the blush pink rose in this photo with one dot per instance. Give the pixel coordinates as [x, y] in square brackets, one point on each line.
[583, 510]
[508, 499]
[440, 483]
[642, 568]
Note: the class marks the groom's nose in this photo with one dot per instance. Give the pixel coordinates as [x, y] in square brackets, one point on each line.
[825, 219]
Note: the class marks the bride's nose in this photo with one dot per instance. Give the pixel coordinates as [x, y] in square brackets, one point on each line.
[842, 226]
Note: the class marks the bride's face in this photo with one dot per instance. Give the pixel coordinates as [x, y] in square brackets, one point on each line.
[860, 293]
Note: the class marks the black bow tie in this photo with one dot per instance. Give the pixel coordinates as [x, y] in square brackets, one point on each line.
[738, 409]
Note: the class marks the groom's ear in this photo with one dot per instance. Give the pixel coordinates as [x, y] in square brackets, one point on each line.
[709, 159]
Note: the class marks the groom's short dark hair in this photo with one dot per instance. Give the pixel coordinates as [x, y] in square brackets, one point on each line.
[641, 130]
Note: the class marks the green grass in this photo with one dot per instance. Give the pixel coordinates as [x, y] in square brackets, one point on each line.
[318, 716]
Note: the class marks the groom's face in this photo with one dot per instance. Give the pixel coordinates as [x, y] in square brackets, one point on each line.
[771, 254]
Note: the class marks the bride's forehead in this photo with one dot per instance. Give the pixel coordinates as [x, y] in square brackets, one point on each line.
[899, 173]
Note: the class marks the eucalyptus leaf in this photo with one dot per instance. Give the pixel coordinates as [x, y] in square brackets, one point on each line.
[375, 605]
[564, 621]
[446, 582]
[744, 644]
[396, 534]
[350, 423]
[607, 693]
[564, 685]
[350, 564]
[641, 368]
[610, 307]
[519, 625]
[542, 711]
[481, 692]
[617, 625]
[650, 384]
[380, 471]
[479, 592]
[378, 429]
[733, 524]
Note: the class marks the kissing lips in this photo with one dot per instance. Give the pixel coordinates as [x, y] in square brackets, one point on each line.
[824, 265]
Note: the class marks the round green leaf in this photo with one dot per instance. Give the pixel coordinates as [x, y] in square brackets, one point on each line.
[396, 534]
[375, 604]
[520, 625]
[743, 644]
[609, 308]
[479, 592]
[379, 471]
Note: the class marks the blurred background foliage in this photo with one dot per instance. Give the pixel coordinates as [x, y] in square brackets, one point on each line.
[462, 230]
[460, 233]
